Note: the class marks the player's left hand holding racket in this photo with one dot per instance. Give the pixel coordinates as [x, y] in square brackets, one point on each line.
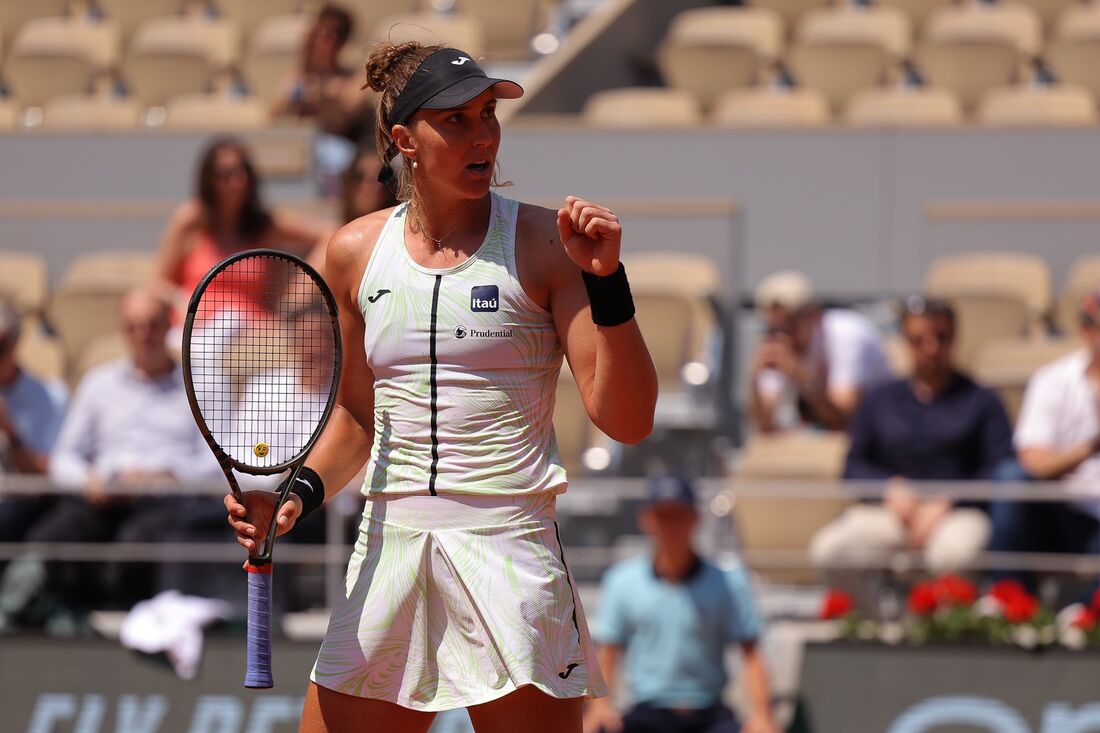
[261, 363]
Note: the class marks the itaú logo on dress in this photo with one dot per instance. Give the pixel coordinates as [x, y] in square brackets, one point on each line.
[484, 299]
[986, 714]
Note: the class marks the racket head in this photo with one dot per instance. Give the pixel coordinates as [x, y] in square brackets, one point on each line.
[261, 359]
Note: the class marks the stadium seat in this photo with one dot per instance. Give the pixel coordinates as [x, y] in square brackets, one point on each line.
[973, 48]
[767, 524]
[273, 52]
[764, 107]
[1031, 105]
[642, 107]
[1025, 277]
[691, 276]
[178, 55]
[917, 11]
[40, 353]
[369, 13]
[1084, 276]
[457, 30]
[790, 10]
[23, 280]
[55, 56]
[1049, 11]
[129, 14]
[509, 26]
[708, 51]
[13, 14]
[1074, 50]
[91, 112]
[105, 348]
[667, 320]
[86, 301]
[847, 48]
[1006, 365]
[903, 106]
[220, 112]
[249, 14]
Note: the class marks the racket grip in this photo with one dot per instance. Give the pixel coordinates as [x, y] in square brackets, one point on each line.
[258, 634]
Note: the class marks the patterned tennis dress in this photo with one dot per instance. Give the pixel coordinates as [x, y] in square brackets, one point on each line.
[457, 592]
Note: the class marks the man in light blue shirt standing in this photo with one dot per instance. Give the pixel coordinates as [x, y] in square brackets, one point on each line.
[666, 619]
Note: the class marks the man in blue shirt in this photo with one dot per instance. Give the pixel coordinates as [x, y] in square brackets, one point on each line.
[667, 619]
[936, 424]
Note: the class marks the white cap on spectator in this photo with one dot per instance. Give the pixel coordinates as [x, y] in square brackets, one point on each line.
[787, 289]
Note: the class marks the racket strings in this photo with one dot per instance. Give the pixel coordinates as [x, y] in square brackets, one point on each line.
[263, 359]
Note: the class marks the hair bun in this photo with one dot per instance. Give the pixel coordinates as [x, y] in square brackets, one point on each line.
[384, 61]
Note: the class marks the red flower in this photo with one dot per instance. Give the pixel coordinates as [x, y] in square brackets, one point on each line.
[1086, 620]
[1006, 591]
[923, 599]
[1020, 609]
[1095, 605]
[956, 591]
[837, 604]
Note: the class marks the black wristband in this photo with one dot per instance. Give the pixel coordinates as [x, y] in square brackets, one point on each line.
[609, 295]
[310, 489]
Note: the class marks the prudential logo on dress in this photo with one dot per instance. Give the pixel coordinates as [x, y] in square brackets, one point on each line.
[484, 299]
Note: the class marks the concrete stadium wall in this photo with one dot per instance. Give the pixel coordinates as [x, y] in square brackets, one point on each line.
[863, 212]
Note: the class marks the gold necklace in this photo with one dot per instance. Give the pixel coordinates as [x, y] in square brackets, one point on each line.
[424, 230]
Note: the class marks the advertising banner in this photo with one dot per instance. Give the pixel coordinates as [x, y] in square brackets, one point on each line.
[865, 688]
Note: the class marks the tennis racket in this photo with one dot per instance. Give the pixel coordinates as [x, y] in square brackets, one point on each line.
[261, 363]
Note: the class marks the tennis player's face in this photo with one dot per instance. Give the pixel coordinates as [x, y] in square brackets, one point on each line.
[457, 148]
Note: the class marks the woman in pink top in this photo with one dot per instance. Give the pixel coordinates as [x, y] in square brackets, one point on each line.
[226, 216]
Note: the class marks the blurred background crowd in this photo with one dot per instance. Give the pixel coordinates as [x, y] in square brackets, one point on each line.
[904, 424]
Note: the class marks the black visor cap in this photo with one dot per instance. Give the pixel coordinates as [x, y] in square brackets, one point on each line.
[446, 79]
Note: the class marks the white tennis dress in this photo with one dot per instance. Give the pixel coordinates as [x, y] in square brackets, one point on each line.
[457, 592]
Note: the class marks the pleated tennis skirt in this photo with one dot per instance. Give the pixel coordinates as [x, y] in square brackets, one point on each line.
[457, 600]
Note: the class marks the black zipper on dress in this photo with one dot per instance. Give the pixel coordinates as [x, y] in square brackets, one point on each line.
[434, 387]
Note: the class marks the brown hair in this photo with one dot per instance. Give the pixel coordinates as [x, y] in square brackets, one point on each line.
[389, 68]
[255, 220]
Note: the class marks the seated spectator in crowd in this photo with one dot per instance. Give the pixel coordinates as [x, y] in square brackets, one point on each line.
[667, 620]
[321, 86]
[129, 429]
[30, 416]
[226, 216]
[813, 364]
[362, 193]
[934, 425]
[1058, 439]
[30, 413]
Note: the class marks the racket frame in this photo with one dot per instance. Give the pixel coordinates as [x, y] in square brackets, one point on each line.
[259, 561]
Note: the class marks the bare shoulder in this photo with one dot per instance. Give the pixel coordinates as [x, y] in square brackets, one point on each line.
[350, 248]
[537, 234]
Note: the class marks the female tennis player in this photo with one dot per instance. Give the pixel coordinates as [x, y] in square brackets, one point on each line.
[456, 308]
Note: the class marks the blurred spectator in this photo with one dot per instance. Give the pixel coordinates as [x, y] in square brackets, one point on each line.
[1058, 439]
[129, 429]
[362, 192]
[322, 87]
[935, 425]
[668, 618]
[30, 416]
[812, 364]
[226, 216]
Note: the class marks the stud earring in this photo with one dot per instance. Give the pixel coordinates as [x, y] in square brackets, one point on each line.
[415, 164]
